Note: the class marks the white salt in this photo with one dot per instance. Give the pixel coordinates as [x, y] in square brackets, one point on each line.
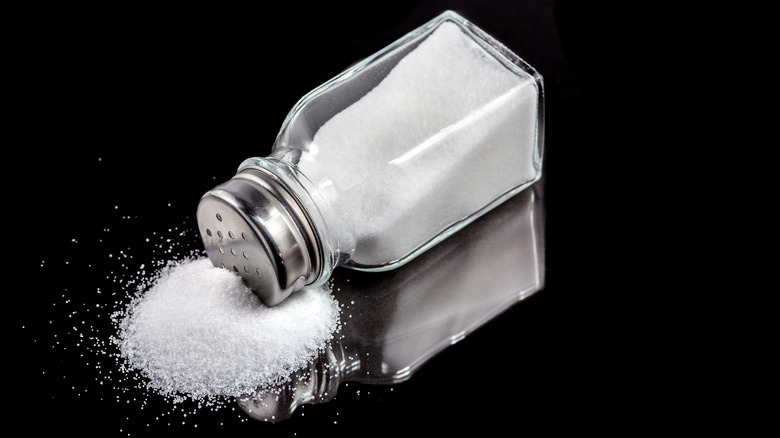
[447, 131]
[198, 332]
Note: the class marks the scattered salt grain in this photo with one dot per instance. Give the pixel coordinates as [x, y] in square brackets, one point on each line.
[199, 332]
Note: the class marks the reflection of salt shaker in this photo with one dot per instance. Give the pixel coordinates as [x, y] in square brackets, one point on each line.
[396, 321]
[382, 162]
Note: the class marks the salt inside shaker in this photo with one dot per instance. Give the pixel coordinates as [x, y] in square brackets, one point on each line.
[381, 162]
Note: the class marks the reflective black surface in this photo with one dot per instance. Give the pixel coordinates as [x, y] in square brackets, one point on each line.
[125, 117]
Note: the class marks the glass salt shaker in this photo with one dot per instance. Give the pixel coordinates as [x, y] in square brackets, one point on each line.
[400, 319]
[382, 162]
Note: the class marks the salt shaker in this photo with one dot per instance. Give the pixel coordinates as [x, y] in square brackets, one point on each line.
[382, 162]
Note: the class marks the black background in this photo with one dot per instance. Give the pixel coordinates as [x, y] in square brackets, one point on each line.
[123, 117]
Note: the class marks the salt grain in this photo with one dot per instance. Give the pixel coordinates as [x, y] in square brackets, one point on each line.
[199, 332]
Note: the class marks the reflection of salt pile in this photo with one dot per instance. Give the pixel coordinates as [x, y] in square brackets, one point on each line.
[199, 332]
[448, 130]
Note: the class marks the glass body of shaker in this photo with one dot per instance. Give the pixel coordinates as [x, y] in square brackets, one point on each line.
[391, 157]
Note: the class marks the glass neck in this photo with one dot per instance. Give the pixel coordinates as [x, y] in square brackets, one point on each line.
[311, 199]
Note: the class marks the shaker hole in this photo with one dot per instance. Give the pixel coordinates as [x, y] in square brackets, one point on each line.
[258, 271]
[208, 232]
[219, 233]
[233, 251]
[246, 269]
[235, 269]
[246, 256]
[232, 236]
[221, 250]
[219, 217]
[244, 236]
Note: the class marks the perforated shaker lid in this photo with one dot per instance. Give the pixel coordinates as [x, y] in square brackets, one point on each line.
[253, 225]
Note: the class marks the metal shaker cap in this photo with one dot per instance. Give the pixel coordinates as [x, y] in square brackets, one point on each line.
[253, 225]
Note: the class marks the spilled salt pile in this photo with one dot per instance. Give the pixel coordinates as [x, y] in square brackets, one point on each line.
[198, 332]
